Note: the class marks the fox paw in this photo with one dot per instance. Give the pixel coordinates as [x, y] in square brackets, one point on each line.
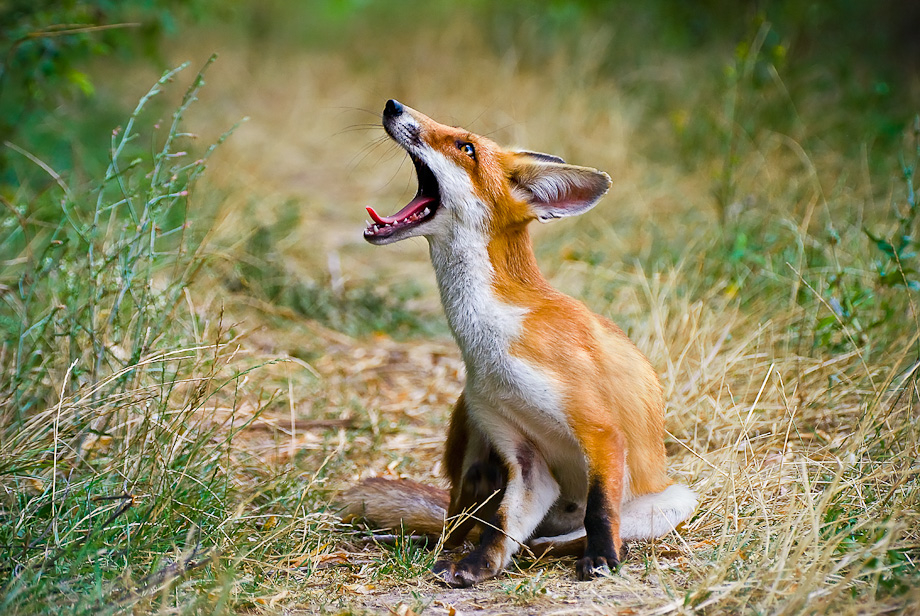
[463, 574]
[589, 567]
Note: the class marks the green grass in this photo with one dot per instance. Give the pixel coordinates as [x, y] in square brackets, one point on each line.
[120, 471]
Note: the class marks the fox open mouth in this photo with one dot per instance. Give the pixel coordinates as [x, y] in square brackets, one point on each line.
[422, 208]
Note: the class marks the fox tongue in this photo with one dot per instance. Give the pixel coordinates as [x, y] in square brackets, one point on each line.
[416, 205]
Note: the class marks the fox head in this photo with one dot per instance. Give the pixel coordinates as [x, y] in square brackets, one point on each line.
[468, 180]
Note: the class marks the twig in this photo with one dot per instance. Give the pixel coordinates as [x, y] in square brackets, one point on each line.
[302, 424]
[170, 572]
[129, 502]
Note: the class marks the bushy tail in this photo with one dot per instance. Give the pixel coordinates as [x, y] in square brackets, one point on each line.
[397, 504]
[645, 517]
[654, 515]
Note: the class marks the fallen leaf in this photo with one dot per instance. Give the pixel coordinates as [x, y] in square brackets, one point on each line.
[359, 589]
[404, 610]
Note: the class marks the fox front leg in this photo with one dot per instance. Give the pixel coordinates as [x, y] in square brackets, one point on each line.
[529, 493]
[476, 500]
[476, 473]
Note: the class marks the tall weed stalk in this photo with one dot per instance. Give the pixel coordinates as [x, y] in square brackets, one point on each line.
[113, 473]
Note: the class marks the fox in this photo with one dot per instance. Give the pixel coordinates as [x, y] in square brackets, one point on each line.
[556, 443]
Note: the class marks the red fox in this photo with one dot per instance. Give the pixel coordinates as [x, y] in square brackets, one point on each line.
[558, 436]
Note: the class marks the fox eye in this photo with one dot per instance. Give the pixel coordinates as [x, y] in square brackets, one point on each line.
[467, 148]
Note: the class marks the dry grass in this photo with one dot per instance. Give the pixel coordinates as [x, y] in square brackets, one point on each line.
[804, 449]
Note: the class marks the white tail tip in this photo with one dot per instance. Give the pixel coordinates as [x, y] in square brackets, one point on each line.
[654, 515]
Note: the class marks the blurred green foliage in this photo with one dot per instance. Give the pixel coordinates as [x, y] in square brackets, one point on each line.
[863, 49]
[45, 46]
[856, 55]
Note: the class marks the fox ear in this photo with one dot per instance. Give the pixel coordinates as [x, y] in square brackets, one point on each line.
[554, 189]
[540, 156]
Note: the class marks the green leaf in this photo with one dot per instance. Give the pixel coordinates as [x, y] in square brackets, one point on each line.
[882, 244]
[81, 80]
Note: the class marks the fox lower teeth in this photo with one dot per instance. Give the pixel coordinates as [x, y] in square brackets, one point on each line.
[373, 229]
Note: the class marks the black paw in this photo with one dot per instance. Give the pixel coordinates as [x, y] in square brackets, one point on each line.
[590, 567]
[463, 574]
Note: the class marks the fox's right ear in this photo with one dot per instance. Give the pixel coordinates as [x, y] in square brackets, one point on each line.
[555, 189]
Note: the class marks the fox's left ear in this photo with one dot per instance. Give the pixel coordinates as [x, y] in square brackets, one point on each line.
[555, 189]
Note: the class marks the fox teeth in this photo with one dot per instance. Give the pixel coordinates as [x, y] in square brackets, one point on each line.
[374, 228]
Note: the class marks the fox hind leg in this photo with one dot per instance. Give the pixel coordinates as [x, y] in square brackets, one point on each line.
[602, 512]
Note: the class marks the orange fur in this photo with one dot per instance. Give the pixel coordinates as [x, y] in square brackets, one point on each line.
[608, 383]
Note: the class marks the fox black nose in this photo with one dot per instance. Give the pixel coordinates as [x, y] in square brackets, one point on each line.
[393, 108]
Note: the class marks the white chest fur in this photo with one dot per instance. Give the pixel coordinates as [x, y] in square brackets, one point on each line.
[485, 328]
